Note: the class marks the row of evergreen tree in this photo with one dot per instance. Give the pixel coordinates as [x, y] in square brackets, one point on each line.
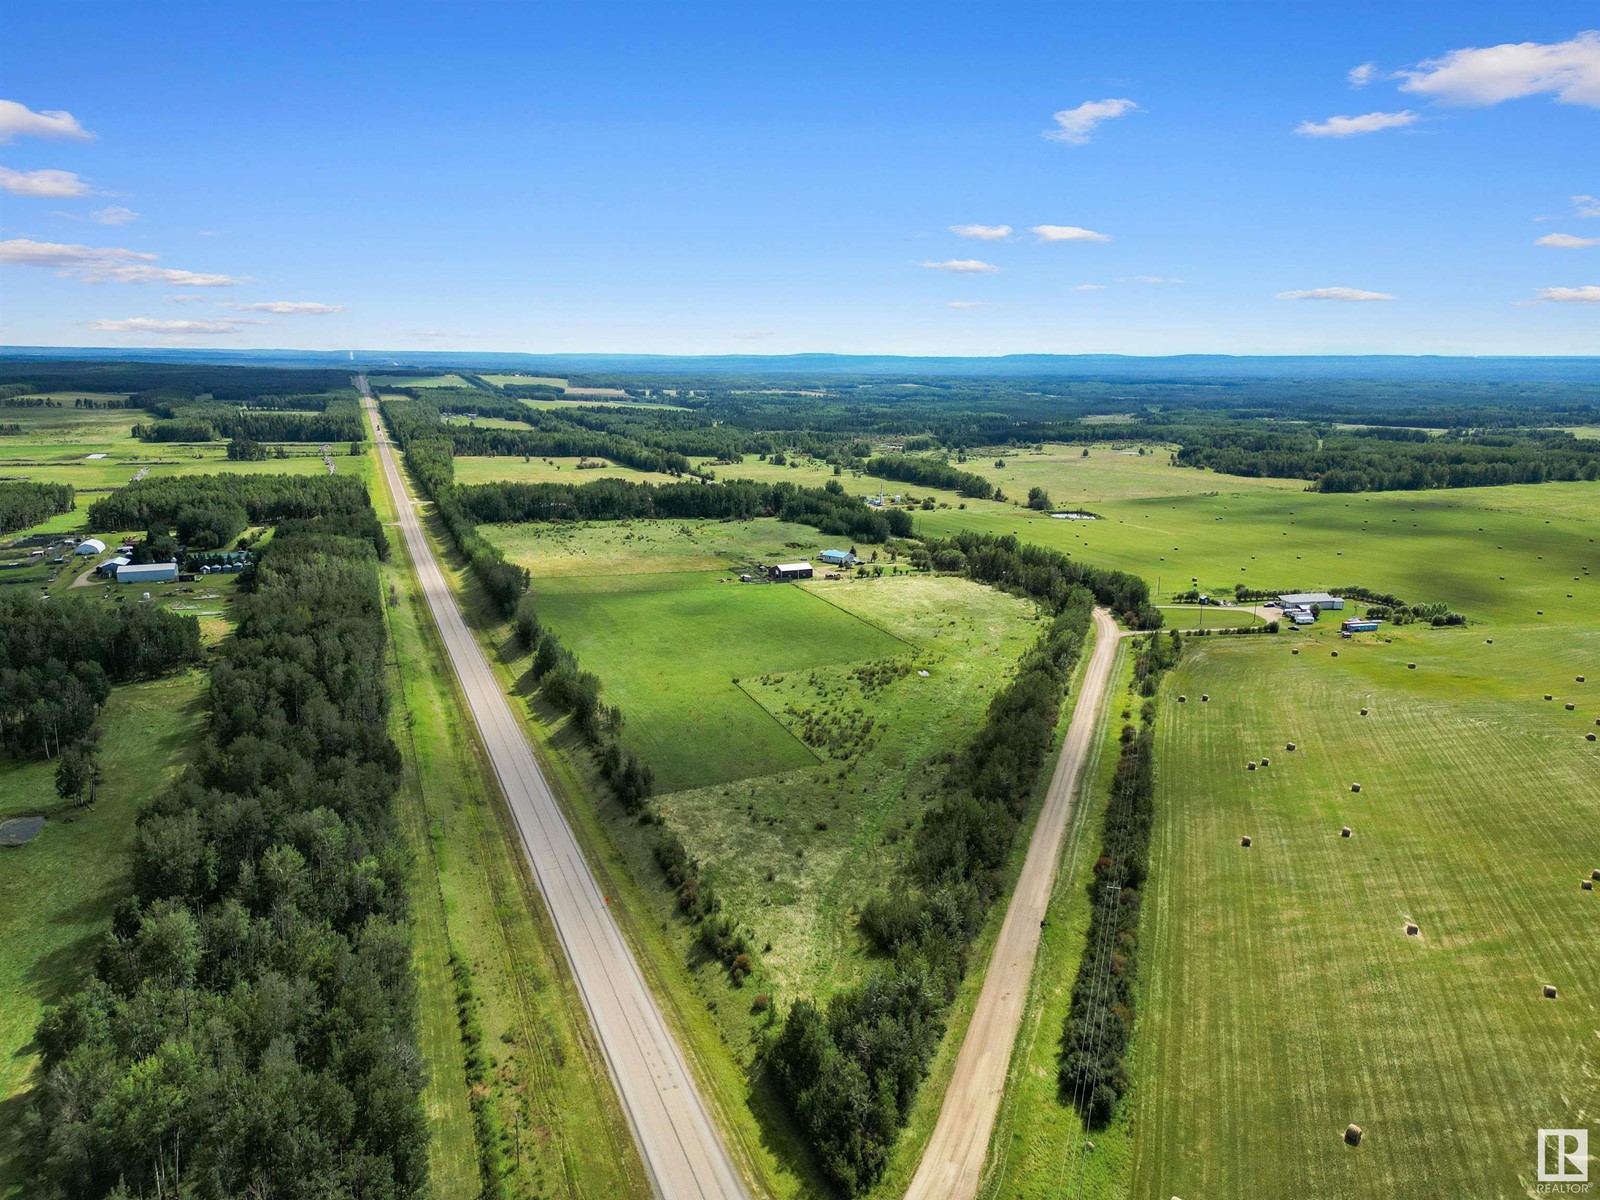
[1093, 1072]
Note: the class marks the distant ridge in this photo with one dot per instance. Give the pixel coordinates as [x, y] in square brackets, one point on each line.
[1177, 367]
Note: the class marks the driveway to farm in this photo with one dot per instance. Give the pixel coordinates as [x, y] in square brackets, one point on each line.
[952, 1165]
[680, 1146]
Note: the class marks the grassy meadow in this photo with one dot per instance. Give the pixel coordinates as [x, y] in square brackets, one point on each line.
[57, 892]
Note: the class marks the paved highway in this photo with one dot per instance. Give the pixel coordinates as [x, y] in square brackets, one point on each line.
[679, 1143]
[952, 1164]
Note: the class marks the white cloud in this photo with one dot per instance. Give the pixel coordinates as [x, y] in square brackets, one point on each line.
[58, 184]
[170, 328]
[1569, 71]
[1348, 295]
[1088, 287]
[984, 233]
[1155, 279]
[1350, 126]
[968, 304]
[1586, 206]
[1587, 294]
[187, 298]
[116, 214]
[94, 264]
[287, 307]
[1067, 233]
[1074, 125]
[18, 120]
[1360, 76]
[963, 266]
[1566, 241]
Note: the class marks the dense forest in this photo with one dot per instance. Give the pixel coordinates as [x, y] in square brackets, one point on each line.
[58, 662]
[25, 504]
[250, 1029]
[218, 507]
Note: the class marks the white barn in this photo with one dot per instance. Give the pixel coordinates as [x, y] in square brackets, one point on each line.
[148, 573]
[90, 546]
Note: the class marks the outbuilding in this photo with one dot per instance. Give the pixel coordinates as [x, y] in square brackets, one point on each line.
[111, 566]
[838, 558]
[90, 546]
[148, 573]
[1359, 626]
[1306, 599]
[794, 570]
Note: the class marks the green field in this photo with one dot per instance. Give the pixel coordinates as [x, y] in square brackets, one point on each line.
[548, 470]
[421, 381]
[58, 891]
[524, 380]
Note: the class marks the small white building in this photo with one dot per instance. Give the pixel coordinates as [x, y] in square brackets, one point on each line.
[148, 573]
[90, 546]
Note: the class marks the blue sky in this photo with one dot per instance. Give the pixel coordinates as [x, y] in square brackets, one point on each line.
[740, 178]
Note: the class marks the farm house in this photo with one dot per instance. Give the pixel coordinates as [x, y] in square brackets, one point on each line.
[838, 558]
[794, 570]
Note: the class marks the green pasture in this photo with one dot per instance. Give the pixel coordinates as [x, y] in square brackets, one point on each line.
[58, 891]
[650, 547]
[420, 381]
[524, 380]
[516, 468]
[1207, 616]
[1448, 545]
[672, 649]
[1281, 993]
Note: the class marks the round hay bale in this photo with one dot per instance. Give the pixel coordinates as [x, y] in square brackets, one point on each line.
[1595, 875]
[1183, 699]
[1586, 884]
[1412, 930]
[1539, 613]
[1571, 707]
[1251, 765]
[1245, 842]
[1488, 641]
[1266, 762]
[1336, 654]
[1205, 698]
[1345, 832]
[1294, 652]
[1288, 745]
[1588, 737]
[1355, 787]
[1363, 712]
[1411, 666]
[1352, 1135]
[1549, 991]
[1581, 679]
[1548, 696]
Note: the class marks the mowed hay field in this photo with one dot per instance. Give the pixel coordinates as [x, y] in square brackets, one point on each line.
[1283, 999]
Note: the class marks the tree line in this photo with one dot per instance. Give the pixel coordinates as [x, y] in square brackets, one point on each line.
[827, 508]
[1048, 576]
[1395, 459]
[250, 1027]
[930, 472]
[59, 660]
[339, 421]
[1093, 1072]
[850, 1071]
[25, 504]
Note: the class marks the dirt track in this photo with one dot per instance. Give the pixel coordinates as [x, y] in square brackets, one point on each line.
[678, 1141]
[952, 1164]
